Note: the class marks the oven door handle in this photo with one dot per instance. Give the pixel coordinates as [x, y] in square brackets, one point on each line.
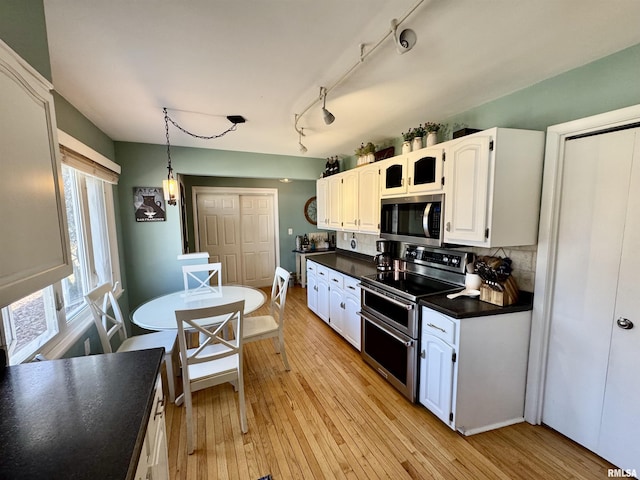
[406, 343]
[407, 306]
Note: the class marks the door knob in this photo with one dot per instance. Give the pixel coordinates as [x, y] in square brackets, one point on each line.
[625, 323]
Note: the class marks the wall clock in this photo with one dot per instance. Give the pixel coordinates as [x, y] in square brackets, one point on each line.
[311, 211]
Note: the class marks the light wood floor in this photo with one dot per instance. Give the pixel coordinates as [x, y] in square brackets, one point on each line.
[332, 416]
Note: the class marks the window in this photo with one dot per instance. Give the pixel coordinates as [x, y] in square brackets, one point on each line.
[55, 317]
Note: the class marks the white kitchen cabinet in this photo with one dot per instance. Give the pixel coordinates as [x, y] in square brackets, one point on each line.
[369, 199]
[33, 203]
[322, 284]
[154, 460]
[473, 370]
[492, 188]
[352, 328]
[350, 200]
[322, 203]
[336, 303]
[393, 176]
[336, 300]
[413, 173]
[335, 202]
[350, 192]
[312, 287]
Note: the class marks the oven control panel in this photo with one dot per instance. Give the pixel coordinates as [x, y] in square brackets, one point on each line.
[436, 257]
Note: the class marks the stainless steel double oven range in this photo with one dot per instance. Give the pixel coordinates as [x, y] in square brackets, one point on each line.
[390, 312]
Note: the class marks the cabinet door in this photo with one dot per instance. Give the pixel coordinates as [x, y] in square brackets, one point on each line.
[31, 183]
[436, 377]
[352, 327]
[466, 189]
[322, 202]
[350, 193]
[312, 292]
[394, 172]
[336, 309]
[323, 298]
[424, 170]
[335, 202]
[369, 199]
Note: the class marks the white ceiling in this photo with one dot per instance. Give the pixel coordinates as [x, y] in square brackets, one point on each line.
[119, 62]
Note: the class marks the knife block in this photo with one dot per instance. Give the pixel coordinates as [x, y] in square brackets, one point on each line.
[508, 295]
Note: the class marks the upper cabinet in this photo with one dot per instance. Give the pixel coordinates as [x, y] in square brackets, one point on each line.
[34, 249]
[351, 200]
[417, 172]
[492, 188]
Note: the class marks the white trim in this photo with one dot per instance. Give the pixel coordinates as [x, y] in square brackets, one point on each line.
[77, 146]
[493, 426]
[195, 191]
[547, 243]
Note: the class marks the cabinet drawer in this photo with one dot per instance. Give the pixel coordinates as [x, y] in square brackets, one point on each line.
[322, 272]
[311, 267]
[336, 279]
[351, 285]
[438, 325]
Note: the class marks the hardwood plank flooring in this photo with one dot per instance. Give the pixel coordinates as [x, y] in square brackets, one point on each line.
[334, 417]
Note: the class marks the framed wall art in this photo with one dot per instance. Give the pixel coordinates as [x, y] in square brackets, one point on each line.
[148, 204]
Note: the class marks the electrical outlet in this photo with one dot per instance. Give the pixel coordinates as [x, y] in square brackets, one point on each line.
[87, 346]
[344, 236]
[290, 231]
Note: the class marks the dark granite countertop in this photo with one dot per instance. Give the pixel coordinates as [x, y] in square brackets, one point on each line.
[317, 250]
[346, 262]
[468, 307]
[76, 418]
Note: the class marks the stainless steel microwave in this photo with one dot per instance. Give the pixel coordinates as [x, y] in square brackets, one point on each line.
[416, 219]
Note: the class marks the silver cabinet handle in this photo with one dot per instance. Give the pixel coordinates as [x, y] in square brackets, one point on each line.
[448, 228]
[436, 327]
[625, 323]
[409, 181]
[406, 306]
[334, 280]
[159, 408]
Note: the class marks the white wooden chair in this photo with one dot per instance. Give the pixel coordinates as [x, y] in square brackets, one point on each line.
[201, 276]
[101, 300]
[271, 326]
[216, 361]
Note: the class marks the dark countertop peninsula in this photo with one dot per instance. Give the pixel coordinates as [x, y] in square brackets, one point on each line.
[468, 307]
[77, 418]
[349, 263]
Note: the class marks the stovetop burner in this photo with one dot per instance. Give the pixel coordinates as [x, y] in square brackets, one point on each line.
[410, 284]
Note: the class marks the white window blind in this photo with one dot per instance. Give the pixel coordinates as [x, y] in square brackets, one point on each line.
[90, 167]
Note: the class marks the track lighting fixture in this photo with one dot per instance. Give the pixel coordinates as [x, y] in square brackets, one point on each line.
[303, 149]
[404, 42]
[327, 115]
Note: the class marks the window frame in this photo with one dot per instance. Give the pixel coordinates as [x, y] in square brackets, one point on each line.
[72, 329]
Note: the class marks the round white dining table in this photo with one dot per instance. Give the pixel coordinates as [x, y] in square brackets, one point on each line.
[159, 313]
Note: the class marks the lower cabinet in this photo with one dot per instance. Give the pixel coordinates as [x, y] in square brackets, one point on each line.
[335, 298]
[473, 370]
[154, 461]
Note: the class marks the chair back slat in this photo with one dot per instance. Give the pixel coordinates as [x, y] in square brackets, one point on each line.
[203, 281]
[279, 293]
[211, 323]
[102, 301]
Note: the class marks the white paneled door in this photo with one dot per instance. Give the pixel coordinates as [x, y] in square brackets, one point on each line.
[240, 232]
[593, 367]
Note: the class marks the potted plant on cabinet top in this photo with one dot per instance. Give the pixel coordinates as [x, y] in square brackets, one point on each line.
[407, 137]
[366, 153]
[418, 134]
[432, 132]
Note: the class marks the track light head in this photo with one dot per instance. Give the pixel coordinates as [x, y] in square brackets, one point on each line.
[326, 114]
[303, 149]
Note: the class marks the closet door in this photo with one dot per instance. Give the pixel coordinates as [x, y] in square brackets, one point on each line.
[621, 416]
[593, 211]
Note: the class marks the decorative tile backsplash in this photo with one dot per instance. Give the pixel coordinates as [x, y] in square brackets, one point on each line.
[523, 258]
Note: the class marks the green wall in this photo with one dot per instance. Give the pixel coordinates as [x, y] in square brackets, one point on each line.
[150, 248]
